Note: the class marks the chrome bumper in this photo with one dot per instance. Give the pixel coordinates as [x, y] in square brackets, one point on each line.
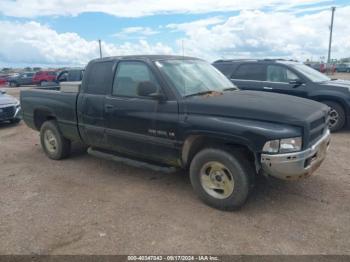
[296, 165]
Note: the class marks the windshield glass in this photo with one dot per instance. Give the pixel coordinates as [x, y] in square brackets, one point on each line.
[312, 74]
[193, 76]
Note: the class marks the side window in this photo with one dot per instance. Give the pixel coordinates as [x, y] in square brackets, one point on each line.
[276, 73]
[225, 68]
[100, 78]
[134, 79]
[250, 72]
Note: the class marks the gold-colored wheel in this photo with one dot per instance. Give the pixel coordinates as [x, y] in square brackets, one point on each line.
[217, 180]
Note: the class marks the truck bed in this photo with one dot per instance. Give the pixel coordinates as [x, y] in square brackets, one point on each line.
[40, 104]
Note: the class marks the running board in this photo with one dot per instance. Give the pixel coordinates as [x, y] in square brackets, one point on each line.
[131, 162]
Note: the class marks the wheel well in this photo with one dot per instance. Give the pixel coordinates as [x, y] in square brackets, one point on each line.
[42, 115]
[194, 144]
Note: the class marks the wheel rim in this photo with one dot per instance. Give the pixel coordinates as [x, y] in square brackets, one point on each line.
[50, 141]
[333, 118]
[217, 180]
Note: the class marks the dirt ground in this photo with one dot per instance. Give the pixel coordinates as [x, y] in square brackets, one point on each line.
[86, 205]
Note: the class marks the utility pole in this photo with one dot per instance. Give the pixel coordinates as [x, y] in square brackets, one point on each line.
[99, 43]
[183, 48]
[330, 36]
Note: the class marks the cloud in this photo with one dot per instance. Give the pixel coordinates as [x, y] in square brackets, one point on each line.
[255, 33]
[32, 43]
[138, 8]
[136, 32]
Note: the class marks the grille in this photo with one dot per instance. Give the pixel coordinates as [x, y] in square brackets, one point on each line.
[317, 129]
[7, 112]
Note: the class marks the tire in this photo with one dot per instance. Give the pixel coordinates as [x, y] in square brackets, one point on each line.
[53, 143]
[13, 84]
[337, 116]
[15, 120]
[208, 165]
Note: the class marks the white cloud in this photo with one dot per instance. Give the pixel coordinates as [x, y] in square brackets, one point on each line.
[138, 8]
[32, 43]
[261, 34]
[136, 32]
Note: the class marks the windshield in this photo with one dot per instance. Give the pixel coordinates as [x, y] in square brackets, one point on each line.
[193, 76]
[312, 74]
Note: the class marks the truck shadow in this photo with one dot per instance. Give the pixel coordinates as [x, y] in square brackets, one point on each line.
[7, 124]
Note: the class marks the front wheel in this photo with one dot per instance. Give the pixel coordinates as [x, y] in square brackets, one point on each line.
[54, 144]
[220, 178]
[336, 116]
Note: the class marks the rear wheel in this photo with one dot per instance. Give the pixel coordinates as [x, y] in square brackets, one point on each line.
[54, 144]
[220, 178]
[336, 116]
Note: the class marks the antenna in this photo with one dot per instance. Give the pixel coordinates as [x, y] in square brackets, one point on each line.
[99, 43]
[183, 47]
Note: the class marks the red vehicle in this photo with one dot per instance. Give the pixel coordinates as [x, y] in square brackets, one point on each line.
[42, 77]
[3, 80]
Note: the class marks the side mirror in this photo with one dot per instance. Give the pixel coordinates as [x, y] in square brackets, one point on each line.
[149, 89]
[296, 83]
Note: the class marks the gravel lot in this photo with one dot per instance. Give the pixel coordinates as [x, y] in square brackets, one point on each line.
[85, 205]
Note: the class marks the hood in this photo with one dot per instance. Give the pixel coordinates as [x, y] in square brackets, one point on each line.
[7, 100]
[256, 105]
[341, 84]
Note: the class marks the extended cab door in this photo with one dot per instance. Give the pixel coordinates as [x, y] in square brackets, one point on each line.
[281, 79]
[138, 123]
[250, 76]
[91, 102]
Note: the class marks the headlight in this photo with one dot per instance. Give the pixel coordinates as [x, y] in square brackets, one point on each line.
[286, 145]
[17, 103]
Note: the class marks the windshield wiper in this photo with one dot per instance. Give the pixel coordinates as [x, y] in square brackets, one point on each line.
[230, 89]
[201, 93]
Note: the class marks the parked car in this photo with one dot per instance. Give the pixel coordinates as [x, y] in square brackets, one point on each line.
[10, 109]
[69, 75]
[21, 79]
[342, 68]
[292, 78]
[42, 77]
[180, 112]
[3, 80]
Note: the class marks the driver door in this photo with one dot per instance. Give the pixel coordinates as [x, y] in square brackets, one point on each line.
[131, 115]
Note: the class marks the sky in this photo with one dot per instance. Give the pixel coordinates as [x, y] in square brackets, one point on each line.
[65, 32]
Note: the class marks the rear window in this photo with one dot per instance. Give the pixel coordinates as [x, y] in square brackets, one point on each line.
[250, 72]
[100, 78]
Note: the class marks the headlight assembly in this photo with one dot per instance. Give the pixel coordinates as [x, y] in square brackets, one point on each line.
[286, 145]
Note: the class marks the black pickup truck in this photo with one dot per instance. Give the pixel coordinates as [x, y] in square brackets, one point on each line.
[181, 112]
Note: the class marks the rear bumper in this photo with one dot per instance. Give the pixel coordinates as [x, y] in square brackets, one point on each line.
[296, 165]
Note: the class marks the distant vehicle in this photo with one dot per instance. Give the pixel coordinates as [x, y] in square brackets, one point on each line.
[317, 66]
[3, 80]
[42, 77]
[292, 78]
[21, 79]
[10, 109]
[70, 75]
[180, 112]
[342, 68]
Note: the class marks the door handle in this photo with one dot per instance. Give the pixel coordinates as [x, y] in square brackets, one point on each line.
[109, 108]
[267, 88]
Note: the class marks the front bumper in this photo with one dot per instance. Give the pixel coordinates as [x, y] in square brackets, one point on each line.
[10, 112]
[296, 165]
